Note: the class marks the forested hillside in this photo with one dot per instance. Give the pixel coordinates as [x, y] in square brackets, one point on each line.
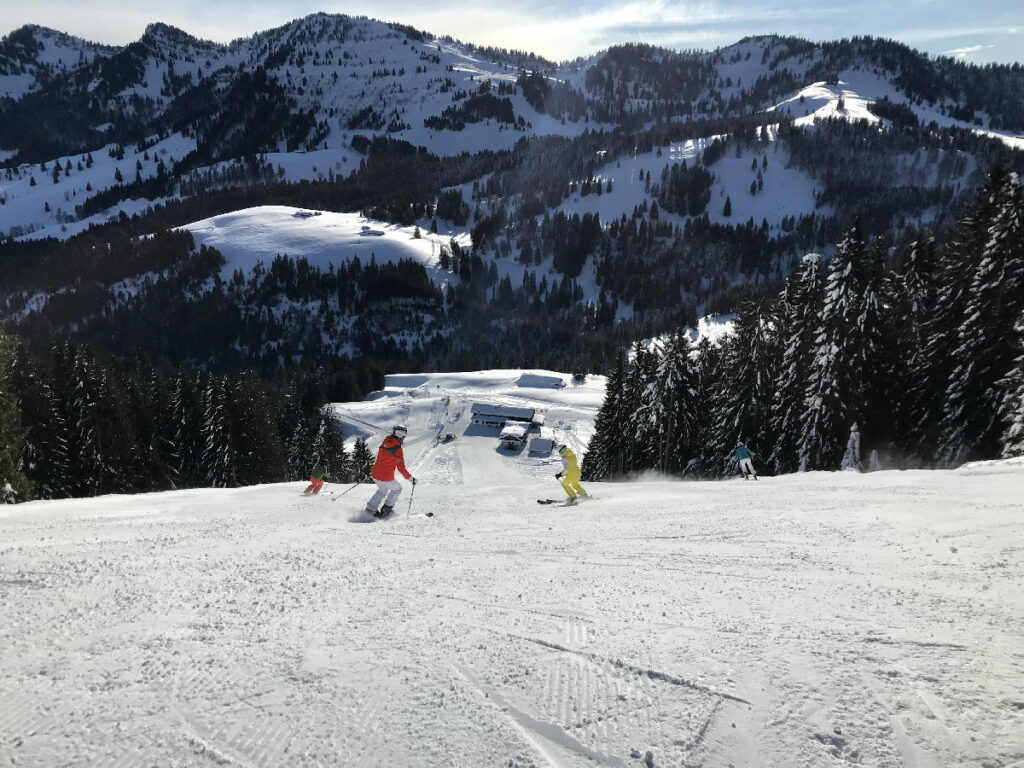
[473, 207]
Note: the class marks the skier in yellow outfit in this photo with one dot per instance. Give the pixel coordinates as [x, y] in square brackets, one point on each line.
[570, 474]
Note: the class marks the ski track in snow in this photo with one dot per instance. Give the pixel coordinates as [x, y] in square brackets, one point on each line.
[826, 619]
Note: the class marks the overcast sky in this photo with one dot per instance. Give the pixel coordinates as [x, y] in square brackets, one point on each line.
[978, 31]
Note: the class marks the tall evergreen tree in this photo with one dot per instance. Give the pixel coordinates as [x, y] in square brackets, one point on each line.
[328, 447]
[709, 371]
[45, 454]
[256, 446]
[606, 453]
[362, 461]
[185, 433]
[218, 448]
[801, 314]
[674, 406]
[639, 394]
[744, 402]
[915, 308]
[299, 448]
[984, 354]
[836, 376]
[884, 374]
[74, 378]
[1013, 407]
[958, 263]
[14, 486]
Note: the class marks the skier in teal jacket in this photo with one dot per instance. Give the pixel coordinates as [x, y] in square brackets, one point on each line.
[743, 458]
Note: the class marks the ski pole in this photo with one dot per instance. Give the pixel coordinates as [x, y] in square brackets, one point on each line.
[412, 493]
[336, 496]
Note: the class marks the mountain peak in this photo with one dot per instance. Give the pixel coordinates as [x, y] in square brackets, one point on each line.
[161, 35]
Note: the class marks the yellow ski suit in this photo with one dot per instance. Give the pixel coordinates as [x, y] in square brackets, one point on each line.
[570, 474]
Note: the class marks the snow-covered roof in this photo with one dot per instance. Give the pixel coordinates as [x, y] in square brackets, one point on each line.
[536, 380]
[517, 430]
[541, 445]
[503, 411]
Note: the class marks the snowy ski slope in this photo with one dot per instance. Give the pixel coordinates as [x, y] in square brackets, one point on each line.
[809, 620]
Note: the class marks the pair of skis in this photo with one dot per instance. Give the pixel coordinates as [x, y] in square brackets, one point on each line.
[393, 514]
[561, 502]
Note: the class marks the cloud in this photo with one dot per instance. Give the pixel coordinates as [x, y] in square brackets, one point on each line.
[927, 34]
[961, 53]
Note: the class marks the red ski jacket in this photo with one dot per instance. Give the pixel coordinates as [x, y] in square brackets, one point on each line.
[389, 458]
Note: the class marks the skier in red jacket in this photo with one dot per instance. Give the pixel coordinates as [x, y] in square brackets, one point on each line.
[389, 458]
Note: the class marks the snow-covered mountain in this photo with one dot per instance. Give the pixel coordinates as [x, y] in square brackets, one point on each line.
[178, 116]
[32, 56]
[639, 185]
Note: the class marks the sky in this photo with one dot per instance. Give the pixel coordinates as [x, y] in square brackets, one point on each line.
[980, 31]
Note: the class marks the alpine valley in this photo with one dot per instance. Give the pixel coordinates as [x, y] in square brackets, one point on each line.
[340, 197]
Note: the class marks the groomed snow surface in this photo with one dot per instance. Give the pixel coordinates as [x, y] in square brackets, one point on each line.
[822, 619]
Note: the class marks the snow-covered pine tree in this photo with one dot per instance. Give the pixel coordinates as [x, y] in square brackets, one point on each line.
[329, 448]
[918, 280]
[674, 406]
[801, 314]
[218, 448]
[14, 486]
[708, 371]
[298, 449]
[122, 456]
[914, 299]
[74, 382]
[985, 353]
[185, 431]
[606, 453]
[362, 461]
[884, 375]
[259, 455]
[836, 376]
[44, 459]
[639, 395]
[743, 406]
[1013, 406]
[957, 264]
[162, 453]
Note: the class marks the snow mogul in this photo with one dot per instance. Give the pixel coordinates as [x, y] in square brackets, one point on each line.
[389, 458]
[744, 460]
[570, 474]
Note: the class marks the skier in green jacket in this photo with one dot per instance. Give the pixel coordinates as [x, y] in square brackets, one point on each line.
[316, 480]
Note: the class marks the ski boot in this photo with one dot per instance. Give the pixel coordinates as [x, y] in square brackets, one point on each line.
[385, 511]
[571, 502]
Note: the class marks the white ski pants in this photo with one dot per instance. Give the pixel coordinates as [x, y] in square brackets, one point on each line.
[747, 467]
[388, 492]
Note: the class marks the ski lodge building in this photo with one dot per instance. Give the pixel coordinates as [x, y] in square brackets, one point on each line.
[513, 435]
[500, 415]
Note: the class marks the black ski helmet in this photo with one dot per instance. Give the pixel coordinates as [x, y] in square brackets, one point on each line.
[400, 431]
